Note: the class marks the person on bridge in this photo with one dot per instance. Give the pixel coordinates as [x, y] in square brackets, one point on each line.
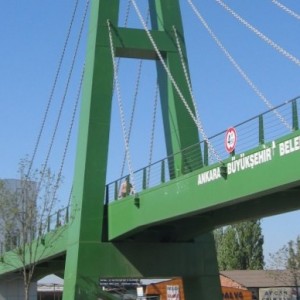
[126, 189]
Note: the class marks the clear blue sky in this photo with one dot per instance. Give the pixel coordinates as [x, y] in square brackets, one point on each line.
[32, 34]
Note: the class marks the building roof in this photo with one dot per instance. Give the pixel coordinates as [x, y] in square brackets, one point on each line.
[262, 278]
[228, 282]
[51, 280]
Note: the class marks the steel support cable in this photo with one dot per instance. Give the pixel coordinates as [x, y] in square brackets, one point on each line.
[128, 7]
[69, 134]
[139, 72]
[186, 74]
[117, 70]
[239, 69]
[125, 25]
[137, 85]
[121, 109]
[286, 9]
[65, 94]
[260, 34]
[211, 149]
[52, 90]
[171, 78]
[152, 131]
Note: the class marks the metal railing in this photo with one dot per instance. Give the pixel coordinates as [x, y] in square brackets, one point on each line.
[14, 240]
[252, 133]
[58, 219]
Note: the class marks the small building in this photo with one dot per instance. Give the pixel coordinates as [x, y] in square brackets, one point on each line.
[235, 285]
[50, 288]
[268, 284]
[169, 289]
[173, 289]
[234, 290]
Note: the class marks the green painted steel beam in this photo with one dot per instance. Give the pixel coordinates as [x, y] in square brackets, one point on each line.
[179, 127]
[88, 212]
[135, 43]
[90, 256]
[261, 182]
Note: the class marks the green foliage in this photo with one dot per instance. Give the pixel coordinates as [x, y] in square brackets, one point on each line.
[287, 257]
[293, 261]
[240, 246]
[26, 207]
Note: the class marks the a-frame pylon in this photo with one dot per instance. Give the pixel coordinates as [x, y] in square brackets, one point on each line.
[90, 255]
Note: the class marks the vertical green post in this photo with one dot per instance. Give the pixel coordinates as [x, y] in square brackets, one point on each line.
[179, 127]
[261, 131]
[90, 256]
[295, 114]
[145, 178]
[116, 190]
[81, 278]
[162, 172]
[205, 153]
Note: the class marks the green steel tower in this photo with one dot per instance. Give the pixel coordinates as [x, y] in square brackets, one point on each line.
[90, 255]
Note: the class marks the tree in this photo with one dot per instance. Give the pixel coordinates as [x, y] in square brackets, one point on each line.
[240, 246]
[287, 258]
[26, 215]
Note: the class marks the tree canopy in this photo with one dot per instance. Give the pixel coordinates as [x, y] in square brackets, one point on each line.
[287, 257]
[27, 209]
[240, 246]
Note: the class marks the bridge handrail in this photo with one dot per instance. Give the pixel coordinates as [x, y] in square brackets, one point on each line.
[57, 219]
[256, 131]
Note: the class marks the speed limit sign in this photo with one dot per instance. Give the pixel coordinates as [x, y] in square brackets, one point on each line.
[230, 139]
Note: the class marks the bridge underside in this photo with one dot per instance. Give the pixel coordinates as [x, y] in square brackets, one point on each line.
[192, 226]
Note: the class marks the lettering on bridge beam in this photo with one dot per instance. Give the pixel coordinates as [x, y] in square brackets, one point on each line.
[237, 165]
[249, 161]
[289, 146]
[244, 162]
[208, 176]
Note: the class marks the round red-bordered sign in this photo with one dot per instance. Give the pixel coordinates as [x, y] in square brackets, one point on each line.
[230, 139]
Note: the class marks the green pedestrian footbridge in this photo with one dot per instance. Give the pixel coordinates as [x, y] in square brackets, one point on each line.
[156, 222]
[260, 179]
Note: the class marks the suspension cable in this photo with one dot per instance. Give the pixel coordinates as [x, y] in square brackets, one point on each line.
[121, 109]
[186, 74]
[128, 7]
[239, 69]
[286, 9]
[188, 81]
[260, 34]
[135, 97]
[139, 72]
[125, 25]
[65, 94]
[37, 143]
[69, 134]
[171, 78]
[152, 131]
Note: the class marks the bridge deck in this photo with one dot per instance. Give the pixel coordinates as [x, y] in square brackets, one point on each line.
[48, 254]
[260, 182]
